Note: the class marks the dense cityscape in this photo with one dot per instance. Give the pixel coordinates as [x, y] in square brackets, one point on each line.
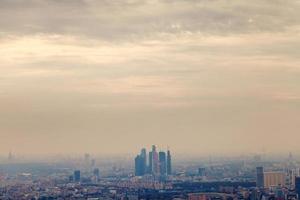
[155, 175]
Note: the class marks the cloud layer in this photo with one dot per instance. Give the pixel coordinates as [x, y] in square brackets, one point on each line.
[197, 75]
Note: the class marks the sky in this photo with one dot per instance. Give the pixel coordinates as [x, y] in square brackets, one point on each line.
[112, 76]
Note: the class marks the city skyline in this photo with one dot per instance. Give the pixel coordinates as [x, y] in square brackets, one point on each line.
[156, 163]
[205, 77]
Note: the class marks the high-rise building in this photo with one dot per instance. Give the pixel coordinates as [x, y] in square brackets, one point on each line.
[96, 175]
[169, 163]
[93, 163]
[260, 177]
[162, 163]
[297, 186]
[138, 165]
[96, 172]
[254, 195]
[155, 161]
[155, 167]
[141, 163]
[290, 178]
[273, 179]
[77, 175]
[201, 171]
[71, 178]
[150, 163]
[144, 161]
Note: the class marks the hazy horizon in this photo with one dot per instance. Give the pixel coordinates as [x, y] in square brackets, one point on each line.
[112, 76]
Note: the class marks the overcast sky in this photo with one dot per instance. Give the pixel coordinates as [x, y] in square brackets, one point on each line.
[111, 76]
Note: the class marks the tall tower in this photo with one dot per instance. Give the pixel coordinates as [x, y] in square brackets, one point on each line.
[162, 163]
[137, 165]
[143, 161]
[155, 161]
[140, 163]
[259, 177]
[150, 162]
[96, 175]
[169, 163]
[297, 185]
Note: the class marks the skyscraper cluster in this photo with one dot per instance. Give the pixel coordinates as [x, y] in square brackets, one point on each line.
[159, 163]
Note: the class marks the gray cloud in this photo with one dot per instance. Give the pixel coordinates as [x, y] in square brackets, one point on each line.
[81, 73]
[138, 19]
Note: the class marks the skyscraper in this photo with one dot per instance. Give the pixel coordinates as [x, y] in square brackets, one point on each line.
[144, 161]
[155, 161]
[141, 163]
[138, 165]
[150, 163]
[290, 178]
[260, 177]
[169, 163]
[77, 175]
[162, 163]
[297, 185]
[96, 172]
[96, 175]
[201, 171]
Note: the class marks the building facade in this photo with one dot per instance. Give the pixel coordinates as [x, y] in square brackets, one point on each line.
[274, 179]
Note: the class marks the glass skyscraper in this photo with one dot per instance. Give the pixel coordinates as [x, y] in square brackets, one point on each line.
[259, 177]
[162, 163]
[169, 163]
[141, 163]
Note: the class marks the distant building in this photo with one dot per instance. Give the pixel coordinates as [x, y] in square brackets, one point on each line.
[162, 163]
[96, 175]
[260, 177]
[96, 172]
[255, 195]
[77, 175]
[290, 178]
[86, 158]
[141, 163]
[279, 193]
[71, 178]
[297, 185]
[169, 163]
[274, 179]
[138, 165]
[144, 161]
[201, 171]
[10, 156]
[150, 163]
[93, 162]
[155, 161]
